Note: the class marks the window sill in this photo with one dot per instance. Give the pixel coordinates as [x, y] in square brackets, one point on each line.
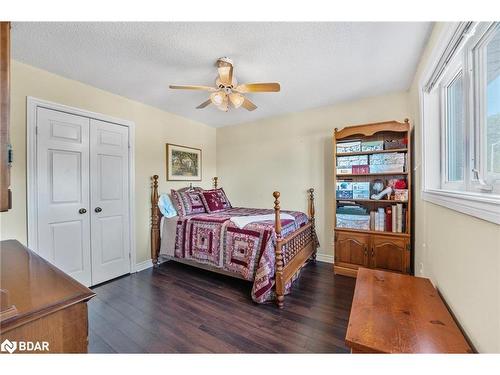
[482, 206]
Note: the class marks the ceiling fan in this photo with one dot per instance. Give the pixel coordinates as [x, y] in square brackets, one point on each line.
[227, 91]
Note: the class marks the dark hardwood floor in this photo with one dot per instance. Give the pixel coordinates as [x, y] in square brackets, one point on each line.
[181, 309]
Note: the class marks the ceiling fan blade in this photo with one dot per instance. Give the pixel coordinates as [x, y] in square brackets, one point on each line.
[248, 105]
[204, 104]
[258, 87]
[188, 87]
[225, 72]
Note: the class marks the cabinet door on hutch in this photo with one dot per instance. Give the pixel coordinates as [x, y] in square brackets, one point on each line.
[351, 249]
[389, 253]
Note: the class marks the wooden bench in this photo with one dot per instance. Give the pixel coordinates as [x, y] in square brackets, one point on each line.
[396, 313]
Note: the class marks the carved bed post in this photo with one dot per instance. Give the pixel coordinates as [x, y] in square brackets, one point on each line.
[215, 180]
[280, 287]
[312, 220]
[155, 223]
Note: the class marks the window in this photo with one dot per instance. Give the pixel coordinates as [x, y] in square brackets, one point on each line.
[460, 101]
[454, 129]
[484, 54]
[492, 140]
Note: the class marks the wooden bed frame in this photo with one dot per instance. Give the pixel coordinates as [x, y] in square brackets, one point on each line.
[292, 252]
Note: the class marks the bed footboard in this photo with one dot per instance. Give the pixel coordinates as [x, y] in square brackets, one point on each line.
[293, 251]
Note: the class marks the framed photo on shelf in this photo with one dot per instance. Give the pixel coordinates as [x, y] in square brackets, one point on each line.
[183, 163]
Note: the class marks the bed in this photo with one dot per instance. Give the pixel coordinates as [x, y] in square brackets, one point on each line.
[266, 246]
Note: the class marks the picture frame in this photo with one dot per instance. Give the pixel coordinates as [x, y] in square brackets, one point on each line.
[183, 163]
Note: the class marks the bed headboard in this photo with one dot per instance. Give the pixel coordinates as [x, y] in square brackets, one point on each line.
[156, 217]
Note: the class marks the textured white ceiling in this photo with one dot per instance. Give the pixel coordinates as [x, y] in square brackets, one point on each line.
[317, 64]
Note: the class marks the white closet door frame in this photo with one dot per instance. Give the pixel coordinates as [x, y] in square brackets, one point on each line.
[32, 104]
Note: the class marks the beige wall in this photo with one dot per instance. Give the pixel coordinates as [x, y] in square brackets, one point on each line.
[153, 128]
[293, 152]
[461, 254]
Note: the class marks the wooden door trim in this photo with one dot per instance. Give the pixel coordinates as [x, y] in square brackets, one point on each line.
[32, 105]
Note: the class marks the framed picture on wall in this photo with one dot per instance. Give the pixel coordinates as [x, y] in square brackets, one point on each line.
[183, 163]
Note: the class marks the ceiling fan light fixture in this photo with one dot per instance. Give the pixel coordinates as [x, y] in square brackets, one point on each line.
[218, 98]
[224, 104]
[236, 99]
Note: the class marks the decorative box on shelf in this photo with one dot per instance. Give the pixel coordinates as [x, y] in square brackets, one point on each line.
[387, 168]
[360, 169]
[345, 170]
[372, 146]
[349, 161]
[347, 147]
[401, 195]
[353, 221]
[361, 190]
[388, 158]
[344, 190]
[393, 144]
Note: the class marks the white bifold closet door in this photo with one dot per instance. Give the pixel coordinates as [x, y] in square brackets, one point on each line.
[109, 196]
[63, 192]
[82, 195]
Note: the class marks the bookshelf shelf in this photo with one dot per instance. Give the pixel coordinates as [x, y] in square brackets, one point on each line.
[385, 201]
[378, 232]
[374, 174]
[370, 248]
[371, 152]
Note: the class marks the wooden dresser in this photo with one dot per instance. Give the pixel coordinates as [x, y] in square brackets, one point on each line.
[395, 313]
[40, 304]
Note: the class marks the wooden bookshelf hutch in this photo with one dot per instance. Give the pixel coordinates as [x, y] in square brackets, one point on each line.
[384, 250]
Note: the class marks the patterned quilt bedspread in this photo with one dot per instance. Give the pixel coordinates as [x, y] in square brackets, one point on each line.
[214, 240]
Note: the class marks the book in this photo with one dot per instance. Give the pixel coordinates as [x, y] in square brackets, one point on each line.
[394, 218]
[399, 222]
[381, 219]
[388, 219]
[372, 220]
[403, 225]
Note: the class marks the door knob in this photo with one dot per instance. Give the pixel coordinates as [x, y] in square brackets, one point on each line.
[82, 210]
[98, 209]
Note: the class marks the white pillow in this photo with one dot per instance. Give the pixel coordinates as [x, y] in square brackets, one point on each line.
[166, 207]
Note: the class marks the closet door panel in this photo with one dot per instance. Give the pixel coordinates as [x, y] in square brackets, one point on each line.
[63, 192]
[110, 200]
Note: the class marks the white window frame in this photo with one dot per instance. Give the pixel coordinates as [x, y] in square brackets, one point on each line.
[455, 69]
[454, 48]
[476, 54]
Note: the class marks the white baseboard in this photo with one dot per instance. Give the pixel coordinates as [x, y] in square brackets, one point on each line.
[143, 265]
[324, 258]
